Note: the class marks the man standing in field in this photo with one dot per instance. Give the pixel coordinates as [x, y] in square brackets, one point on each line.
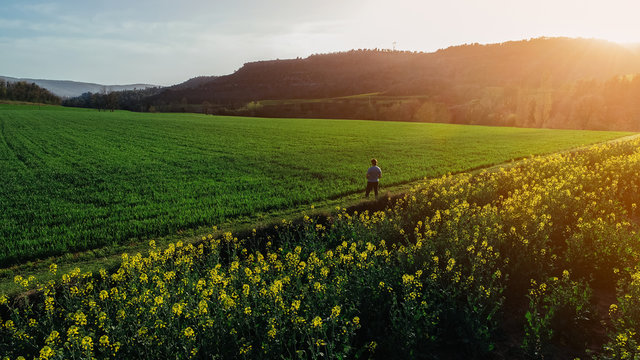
[373, 174]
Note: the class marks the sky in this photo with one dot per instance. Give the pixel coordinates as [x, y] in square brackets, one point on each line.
[164, 42]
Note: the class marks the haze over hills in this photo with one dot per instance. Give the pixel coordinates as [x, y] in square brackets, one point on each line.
[67, 88]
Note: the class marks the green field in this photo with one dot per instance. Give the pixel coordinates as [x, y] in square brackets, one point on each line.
[75, 179]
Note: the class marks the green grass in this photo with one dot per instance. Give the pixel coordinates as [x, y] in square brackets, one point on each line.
[75, 179]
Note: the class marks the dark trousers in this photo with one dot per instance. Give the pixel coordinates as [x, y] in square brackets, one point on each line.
[372, 185]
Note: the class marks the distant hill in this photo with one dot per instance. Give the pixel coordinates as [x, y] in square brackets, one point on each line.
[66, 88]
[553, 61]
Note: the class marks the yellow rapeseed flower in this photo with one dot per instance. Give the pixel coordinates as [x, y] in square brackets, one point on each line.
[87, 343]
[104, 340]
[203, 307]
[46, 353]
[407, 279]
[188, 333]
[72, 333]
[177, 308]
[335, 312]
[245, 349]
[48, 303]
[53, 337]
[295, 305]
[272, 332]
[80, 318]
[316, 322]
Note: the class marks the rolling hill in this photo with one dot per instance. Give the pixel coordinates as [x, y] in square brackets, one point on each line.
[544, 82]
[554, 61]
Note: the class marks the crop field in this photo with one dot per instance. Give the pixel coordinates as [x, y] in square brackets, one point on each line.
[538, 260]
[76, 179]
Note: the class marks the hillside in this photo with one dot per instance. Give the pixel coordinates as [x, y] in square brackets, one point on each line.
[543, 83]
[66, 88]
[552, 60]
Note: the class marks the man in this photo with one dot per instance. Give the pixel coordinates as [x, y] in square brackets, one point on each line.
[373, 174]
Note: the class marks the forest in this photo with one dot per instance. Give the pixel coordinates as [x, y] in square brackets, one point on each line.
[132, 100]
[586, 104]
[544, 82]
[23, 91]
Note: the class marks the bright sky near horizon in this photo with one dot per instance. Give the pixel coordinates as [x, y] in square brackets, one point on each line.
[167, 42]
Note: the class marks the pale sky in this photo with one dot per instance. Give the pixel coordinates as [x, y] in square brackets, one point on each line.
[167, 42]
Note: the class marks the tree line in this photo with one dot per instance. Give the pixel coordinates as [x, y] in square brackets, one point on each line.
[28, 92]
[612, 104]
[132, 100]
